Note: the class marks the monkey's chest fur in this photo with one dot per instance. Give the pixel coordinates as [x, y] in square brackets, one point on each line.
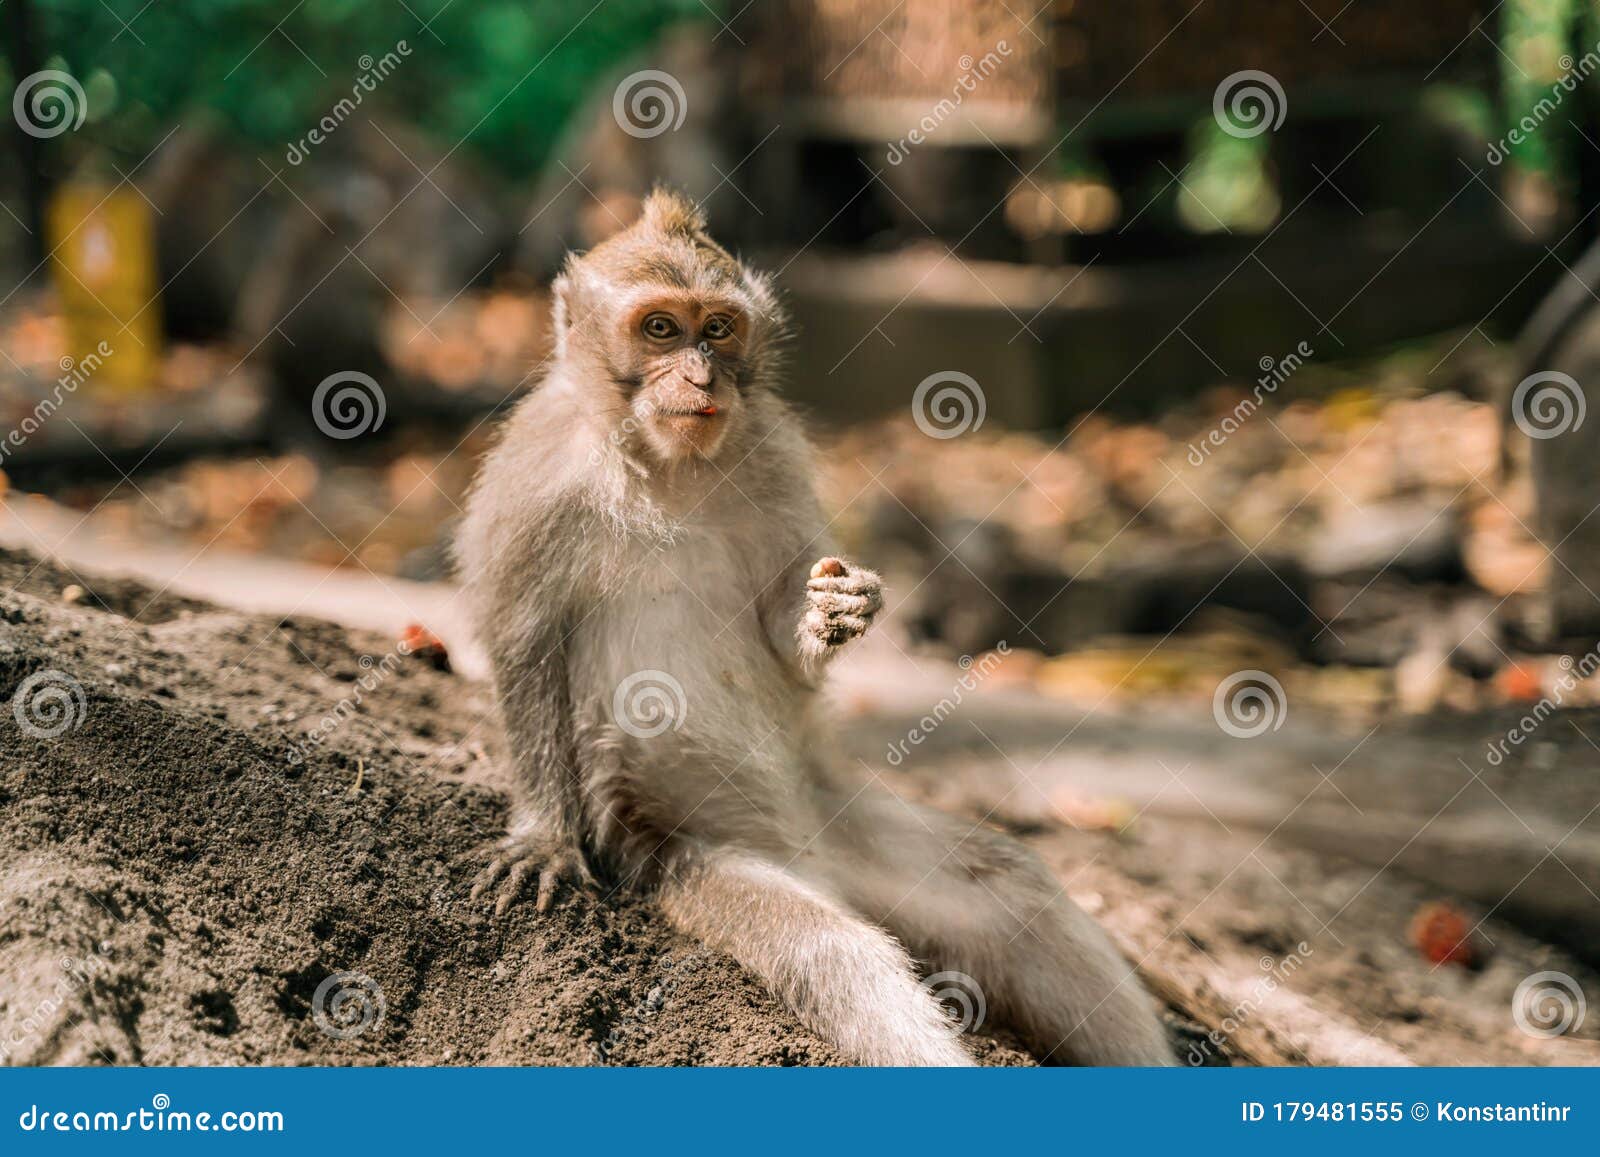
[696, 725]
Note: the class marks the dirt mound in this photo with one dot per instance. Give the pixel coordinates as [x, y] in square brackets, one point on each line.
[186, 878]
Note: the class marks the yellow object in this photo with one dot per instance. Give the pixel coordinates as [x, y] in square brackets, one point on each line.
[103, 267]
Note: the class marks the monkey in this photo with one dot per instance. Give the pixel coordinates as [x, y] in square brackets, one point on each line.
[649, 570]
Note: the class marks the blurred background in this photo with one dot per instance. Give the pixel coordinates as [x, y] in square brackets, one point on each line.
[1173, 359]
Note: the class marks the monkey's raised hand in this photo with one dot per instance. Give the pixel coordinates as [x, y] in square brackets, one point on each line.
[841, 600]
[521, 857]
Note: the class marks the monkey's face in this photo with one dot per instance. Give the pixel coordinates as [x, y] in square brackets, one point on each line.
[685, 354]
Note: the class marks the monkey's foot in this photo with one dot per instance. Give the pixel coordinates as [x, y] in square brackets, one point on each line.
[841, 600]
[525, 858]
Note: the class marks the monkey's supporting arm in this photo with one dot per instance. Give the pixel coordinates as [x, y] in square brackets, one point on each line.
[546, 833]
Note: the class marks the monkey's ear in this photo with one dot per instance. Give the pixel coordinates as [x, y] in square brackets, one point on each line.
[672, 212]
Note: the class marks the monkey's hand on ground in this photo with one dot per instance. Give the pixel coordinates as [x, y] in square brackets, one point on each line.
[841, 600]
[527, 856]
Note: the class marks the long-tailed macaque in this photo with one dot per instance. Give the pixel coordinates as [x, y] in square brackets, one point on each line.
[652, 578]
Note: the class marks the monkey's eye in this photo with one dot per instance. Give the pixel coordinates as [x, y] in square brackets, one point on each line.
[718, 329]
[660, 327]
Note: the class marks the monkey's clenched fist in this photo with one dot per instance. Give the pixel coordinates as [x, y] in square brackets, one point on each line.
[841, 600]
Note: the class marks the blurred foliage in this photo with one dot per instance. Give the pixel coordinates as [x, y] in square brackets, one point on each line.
[1536, 37]
[501, 76]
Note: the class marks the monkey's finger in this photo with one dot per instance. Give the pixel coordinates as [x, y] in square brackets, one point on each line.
[549, 880]
[849, 626]
[487, 877]
[520, 872]
[831, 603]
[860, 582]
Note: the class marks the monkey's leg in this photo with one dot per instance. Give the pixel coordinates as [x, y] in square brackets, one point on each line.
[848, 981]
[971, 900]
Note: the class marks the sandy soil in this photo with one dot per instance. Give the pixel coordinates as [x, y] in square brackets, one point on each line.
[185, 880]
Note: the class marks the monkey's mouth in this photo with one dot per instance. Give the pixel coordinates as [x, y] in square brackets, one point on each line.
[707, 411]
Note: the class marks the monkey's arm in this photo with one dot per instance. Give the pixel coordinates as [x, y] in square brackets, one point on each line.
[546, 832]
